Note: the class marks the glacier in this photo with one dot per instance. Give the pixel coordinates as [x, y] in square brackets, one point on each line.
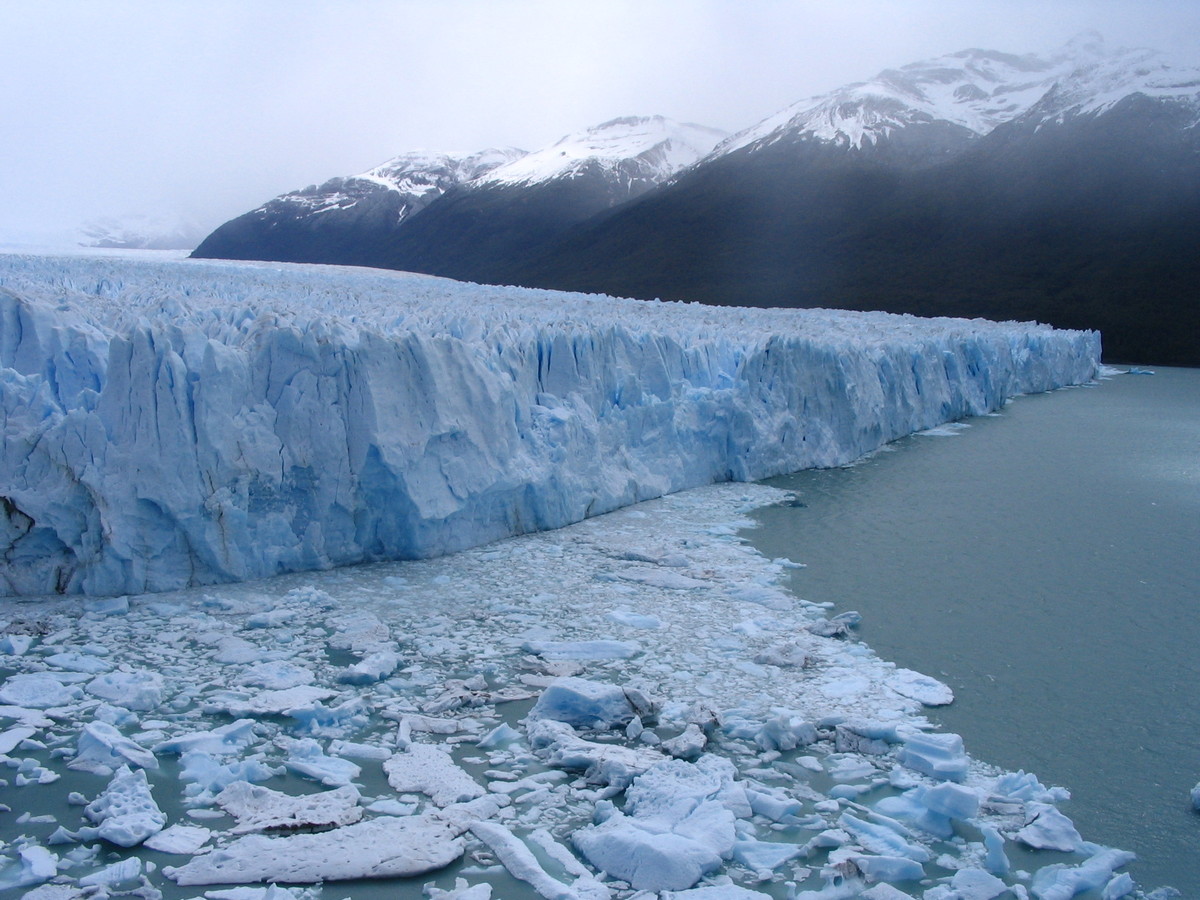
[170, 423]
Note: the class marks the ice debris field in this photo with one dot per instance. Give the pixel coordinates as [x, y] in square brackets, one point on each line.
[175, 423]
[630, 706]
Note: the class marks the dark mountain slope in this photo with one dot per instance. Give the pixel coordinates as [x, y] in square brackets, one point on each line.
[1093, 222]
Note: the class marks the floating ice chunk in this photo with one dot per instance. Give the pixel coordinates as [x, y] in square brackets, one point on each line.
[763, 855]
[34, 865]
[647, 860]
[272, 618]
[11, 738]
[277, 674]
[271, 892]
[429, 770]
[879, 838]
[688, 745]
[374, 667]
[319, 719]
[383, 847]
[582, 649]
[38, 690]
[716, 892]
[139, 690]
[884, 891]
[499, 736]
[590, 704]
[922, 688]
[939, 755]
[106, 606]
[888, 868]
[258, 808]
[125, 870]
[520, 862]
[16, 644]
[1061, 882]
[786, 731]
[634, 620]
[222, 741]
[74, 661]
[1021, 785]
[976, 884]
[907, 808]
[995, 861]
[461, 891]
[558, 746]
[773, 804]
[863, 738]
[1120, 886]
[785, 655]
[102, 750]
[1048, 829]
[126, 813]
[676, 828]
[305, 757]
[182, 839]
[1196, 797]
[207, 777]
[358, 751]
[951, 800]
[265, 703]
[233, 650]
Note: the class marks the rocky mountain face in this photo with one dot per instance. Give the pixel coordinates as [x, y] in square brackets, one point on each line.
[1063, 188]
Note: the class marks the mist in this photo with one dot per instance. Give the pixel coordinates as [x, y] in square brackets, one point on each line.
[205, 109]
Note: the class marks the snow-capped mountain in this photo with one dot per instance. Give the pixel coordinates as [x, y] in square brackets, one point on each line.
[642, 151]
[329, 222]
[140, 231]
[972, 92]
[459, 214]
[417, 179]
[1062, 186]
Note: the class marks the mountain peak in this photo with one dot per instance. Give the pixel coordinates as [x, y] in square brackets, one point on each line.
[658, 146]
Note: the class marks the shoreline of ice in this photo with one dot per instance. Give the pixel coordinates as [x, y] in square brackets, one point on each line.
[635, 693]
[175, 422]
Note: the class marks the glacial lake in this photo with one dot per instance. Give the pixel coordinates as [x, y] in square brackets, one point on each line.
[1043, 563]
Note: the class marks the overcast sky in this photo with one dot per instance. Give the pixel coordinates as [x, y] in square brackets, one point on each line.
[210, 107]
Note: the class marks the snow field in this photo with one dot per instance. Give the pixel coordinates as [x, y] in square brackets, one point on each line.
[171, 423]
[744, 749]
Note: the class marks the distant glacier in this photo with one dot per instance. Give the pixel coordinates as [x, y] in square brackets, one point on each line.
[170, 423]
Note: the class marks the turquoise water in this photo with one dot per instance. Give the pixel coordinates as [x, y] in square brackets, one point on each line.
[1043, 563]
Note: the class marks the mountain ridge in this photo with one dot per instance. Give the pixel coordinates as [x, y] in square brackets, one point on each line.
[1059, 187]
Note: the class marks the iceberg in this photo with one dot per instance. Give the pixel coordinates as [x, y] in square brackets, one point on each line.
[158, 413]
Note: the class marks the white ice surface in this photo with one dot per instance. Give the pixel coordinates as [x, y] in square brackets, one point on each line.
[159, 414]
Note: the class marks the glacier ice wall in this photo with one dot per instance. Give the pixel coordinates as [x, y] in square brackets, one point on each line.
[173, 422]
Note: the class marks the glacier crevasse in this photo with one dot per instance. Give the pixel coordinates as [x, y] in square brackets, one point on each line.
[172, 422]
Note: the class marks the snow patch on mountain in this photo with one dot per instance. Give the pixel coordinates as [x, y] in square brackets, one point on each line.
[649, 149]
[419, 177]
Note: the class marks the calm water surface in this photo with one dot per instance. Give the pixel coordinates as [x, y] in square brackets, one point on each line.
[1044, 564]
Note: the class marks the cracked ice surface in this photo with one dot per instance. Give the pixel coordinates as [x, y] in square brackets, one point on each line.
[803, 765]
[175, 423]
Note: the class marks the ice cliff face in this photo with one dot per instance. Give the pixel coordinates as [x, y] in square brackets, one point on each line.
[180, 423]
